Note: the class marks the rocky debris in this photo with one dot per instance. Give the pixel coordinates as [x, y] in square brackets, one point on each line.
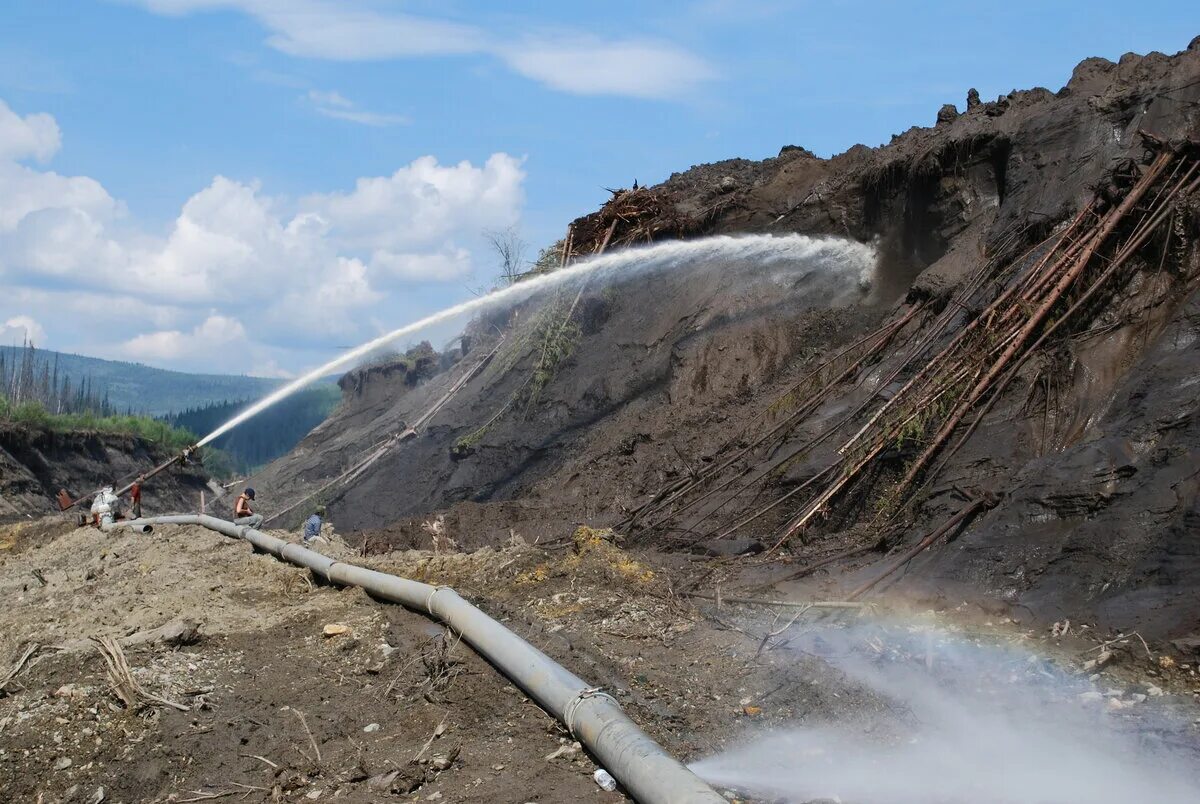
[729, 547]
[176, 633]
[947, 114]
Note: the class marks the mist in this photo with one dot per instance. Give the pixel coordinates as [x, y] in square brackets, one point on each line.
[962, 720]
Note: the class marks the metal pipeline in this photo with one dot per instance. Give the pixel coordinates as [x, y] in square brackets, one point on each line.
[141, 526]
[648, 773]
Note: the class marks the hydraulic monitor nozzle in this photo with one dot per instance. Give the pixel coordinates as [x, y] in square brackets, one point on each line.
[188, 455]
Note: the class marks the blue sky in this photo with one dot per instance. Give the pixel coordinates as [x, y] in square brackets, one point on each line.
[275, 179]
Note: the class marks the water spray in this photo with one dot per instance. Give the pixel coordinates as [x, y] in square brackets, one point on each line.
[848, 257]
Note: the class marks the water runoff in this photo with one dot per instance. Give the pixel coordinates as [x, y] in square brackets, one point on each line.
[833, 258]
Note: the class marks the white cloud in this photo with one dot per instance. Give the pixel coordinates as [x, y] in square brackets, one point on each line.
[335, 105]
[633, 68]
[213, 335]
[21, 328]
[423, 203]
[454, 263]
[35, 135]
[282, 277]
[569, 61]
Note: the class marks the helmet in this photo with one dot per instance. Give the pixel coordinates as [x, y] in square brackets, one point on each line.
[250, 493]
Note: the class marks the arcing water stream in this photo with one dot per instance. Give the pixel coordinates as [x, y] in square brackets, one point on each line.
[852, 260]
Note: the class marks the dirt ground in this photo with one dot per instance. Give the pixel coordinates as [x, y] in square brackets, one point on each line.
[271, 708]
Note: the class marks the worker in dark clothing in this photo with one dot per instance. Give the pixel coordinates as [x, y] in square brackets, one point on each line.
[243, 514]
[135, 497]
[312, 525]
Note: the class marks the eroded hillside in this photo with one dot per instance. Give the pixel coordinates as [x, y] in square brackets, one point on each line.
[718, 390]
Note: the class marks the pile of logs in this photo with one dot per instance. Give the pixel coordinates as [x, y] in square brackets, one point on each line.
[635, 216]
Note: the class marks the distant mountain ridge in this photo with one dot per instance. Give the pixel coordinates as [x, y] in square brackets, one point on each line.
[153, 391]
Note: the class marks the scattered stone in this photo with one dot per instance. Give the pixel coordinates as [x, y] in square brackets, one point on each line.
[383, 781]
[1153, 691]
[174, 634]
[371, 727]
[441, 762]
[562, 751]
[335, 629]
[1090, 697]
[1188, 646]
[62, 763]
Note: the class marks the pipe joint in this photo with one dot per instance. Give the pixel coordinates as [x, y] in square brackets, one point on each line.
[584, 694]
[429, 600]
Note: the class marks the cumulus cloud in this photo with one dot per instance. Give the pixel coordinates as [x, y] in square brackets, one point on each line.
[217, 332]
[279, 274]
[354, 31]
[34, 135]
[19, 329]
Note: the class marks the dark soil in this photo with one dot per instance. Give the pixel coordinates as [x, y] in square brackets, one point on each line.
[35, 464]
[1096, 485]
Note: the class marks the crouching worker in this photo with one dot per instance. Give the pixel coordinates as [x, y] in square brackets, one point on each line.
[312, 526]
[243, 514]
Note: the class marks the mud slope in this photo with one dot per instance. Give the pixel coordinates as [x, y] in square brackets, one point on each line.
[1090, 454]
[35, 464]
[636, 374]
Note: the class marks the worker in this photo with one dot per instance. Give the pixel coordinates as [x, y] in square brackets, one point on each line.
[312, 525]
[135, 497]
[105, 506]
[243, 514]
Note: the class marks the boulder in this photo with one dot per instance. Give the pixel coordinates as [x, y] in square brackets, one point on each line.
[947, 114]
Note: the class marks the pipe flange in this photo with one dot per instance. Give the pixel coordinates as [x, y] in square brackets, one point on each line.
[580, 697]
[429, 600]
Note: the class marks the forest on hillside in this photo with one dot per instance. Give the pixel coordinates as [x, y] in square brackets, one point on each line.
[129, 387]
[34, 378]
[267, 435]
[52, 390]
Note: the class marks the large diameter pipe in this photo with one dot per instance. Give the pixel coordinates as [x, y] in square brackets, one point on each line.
[593, 717]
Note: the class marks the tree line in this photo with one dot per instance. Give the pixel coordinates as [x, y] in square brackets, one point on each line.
[269, 434]
[29, 378]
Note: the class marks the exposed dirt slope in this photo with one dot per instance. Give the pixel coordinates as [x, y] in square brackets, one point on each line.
[36, 463]
[1093, 470]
